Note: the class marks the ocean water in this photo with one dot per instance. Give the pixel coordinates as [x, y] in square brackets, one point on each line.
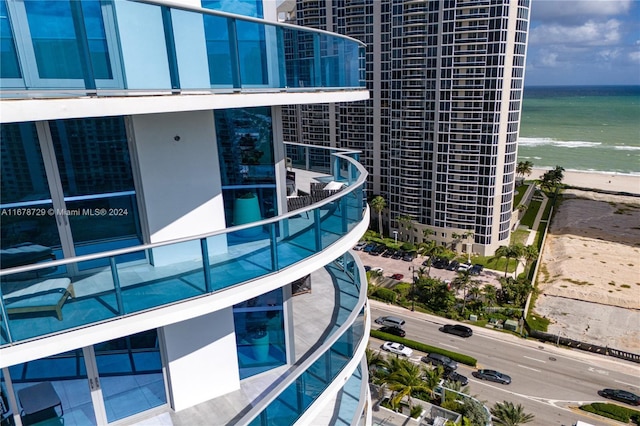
[586, 128]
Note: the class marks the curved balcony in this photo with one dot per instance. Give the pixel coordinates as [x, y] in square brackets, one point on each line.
[143, 46]
[203, 265]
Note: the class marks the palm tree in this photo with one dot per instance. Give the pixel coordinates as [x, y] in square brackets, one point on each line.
[529, 255]
[378, 204]
[431, 249]
[463, 282]
[406, 381]
[509, 252]
[432, 379]
[507, 414]
[468, 235]
[406, 222]
[490, 294]
[552, 179]
[524, 168]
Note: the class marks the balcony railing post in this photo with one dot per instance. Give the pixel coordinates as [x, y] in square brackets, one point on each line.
[318, 228]
[116, 285]
[172, 56]
[205, 264]
[234, 53]
[83, 45]
[274, 247]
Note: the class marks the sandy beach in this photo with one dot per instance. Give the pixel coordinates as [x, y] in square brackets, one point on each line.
[614, 182]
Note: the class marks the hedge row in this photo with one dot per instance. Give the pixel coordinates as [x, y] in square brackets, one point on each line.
[613, 411]
[464, 359]
[385, 294]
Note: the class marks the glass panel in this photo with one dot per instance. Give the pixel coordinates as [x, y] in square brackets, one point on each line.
[178, 274]
[55, 46]
[245, 144]
[260, 339]
[29, 229]
[58, 49]
[130, 372]
[9, 67]
[251, 8]
[252, 54]
[95, 170]
[97, 40]
[61, 378]
[218, 51]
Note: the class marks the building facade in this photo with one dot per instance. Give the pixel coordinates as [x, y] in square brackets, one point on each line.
[439, 133]
[150, 267]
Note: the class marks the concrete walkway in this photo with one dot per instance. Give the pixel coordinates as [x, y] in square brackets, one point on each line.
[533, 232]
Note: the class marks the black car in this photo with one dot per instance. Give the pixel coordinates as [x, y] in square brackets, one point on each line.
[440, 263]
[408, 257]
[398, 255]
[492, 376]
[620, 395]
[453, 266]
[457, 329]
[476, 269]
[388, 253]
[393, 330]
[452, 376]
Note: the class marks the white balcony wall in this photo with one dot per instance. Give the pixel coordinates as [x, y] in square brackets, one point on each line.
[179, 184]
[201, 359]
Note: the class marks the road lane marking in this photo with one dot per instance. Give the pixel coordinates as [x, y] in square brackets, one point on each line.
[535, 359]
[529, 368]
[449, 346]
[603, 372]
[628, 384]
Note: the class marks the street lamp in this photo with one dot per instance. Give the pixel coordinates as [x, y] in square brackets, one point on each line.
[413, 288]
[395, 236]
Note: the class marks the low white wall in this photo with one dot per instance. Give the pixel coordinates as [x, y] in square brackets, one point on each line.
[202, 363]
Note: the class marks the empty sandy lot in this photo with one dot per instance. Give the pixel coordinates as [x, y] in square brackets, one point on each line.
[590, 270]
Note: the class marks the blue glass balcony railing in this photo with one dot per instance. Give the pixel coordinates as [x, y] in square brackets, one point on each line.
[52, 297]
[103, 48]
[306, 383]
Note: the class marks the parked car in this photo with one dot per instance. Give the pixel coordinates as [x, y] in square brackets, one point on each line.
[397, 276]
[453, 266]
[369, 247]
[457, 329]
[620, 395]
[440, 263]
[464, 267]
[397, 348]
[361, 245]
[476, 269]
[388, 253]
[367, 268]
[378, 270]
[437, 359]
[408, 257]
[492, 376]
[398, 255]
[393, 330]
[452, 376]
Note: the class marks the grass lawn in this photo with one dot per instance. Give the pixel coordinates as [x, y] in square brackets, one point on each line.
[531, 214]
[521, 190]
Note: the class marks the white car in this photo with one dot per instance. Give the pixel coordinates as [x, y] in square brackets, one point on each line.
[464, 267]
[360, 245]
[378, 270]
[397, 348]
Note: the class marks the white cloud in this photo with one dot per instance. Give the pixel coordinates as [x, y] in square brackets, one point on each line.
[590, 33]
[549, 59]
[554, 10]
[634, 57]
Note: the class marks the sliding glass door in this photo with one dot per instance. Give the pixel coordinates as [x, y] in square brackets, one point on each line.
[67, 186]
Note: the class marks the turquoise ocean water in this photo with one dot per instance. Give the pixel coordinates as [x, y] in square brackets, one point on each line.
[587, 128]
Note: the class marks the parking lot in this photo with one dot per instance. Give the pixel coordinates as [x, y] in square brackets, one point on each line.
[397, 266]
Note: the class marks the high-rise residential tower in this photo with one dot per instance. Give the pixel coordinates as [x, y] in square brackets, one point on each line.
[152, 269]
[439, 133]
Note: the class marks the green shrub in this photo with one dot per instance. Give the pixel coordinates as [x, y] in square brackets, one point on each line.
[385, 294]
[612, 411]
[464, 359]
[416, 410]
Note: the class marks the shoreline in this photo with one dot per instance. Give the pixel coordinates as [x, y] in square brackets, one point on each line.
[604, 181]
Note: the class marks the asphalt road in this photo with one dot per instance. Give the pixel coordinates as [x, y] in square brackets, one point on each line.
[546, 380]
